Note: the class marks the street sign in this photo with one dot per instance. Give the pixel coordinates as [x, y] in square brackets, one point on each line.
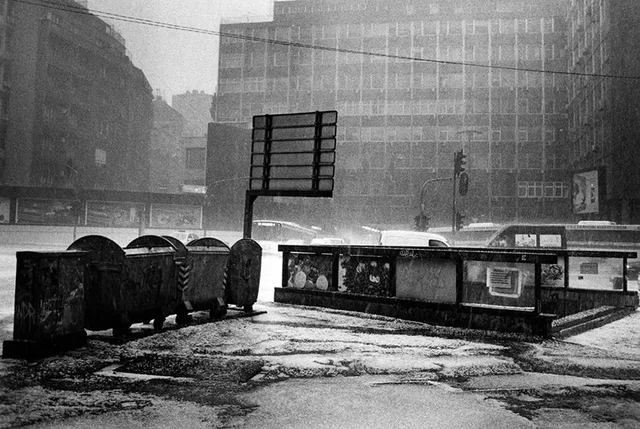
[294, 154]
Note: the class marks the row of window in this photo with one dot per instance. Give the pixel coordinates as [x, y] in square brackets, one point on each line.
[429, 107]
[400, 184]
[392, 133]
[415, 28]
[409, 159]
[543, 189]
[349, 82]
[474, 106]
[72, 57]
[499, 6]
[333, 56]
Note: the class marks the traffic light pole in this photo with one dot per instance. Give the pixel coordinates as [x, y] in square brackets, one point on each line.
[453, 199]
[424, 187]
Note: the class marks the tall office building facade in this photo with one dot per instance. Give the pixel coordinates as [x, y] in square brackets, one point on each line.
[413, 82]
[604, 108]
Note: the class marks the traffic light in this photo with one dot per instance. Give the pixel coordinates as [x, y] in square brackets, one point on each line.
[421, 222]
[459, 162]
[463, 183]
[459, 221]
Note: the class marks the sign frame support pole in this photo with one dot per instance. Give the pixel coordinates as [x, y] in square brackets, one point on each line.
[250, 198]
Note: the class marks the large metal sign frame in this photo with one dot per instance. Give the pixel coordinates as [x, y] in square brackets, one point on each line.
[292, 155]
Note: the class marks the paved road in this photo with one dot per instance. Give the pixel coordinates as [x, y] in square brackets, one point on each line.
[290, 367]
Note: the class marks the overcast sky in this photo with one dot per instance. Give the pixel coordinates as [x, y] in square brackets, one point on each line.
[177, 61]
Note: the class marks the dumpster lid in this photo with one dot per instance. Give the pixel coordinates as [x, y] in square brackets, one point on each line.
[150, 242]
[208, 243]
[32, 254]
[181, 249]
[101, 248]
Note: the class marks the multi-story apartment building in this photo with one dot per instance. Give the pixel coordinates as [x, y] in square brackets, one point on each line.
[6, 29]
[179, 144]
[195, 107]
[604, 106]
[167, 157]
[413, 82]
[80, 112]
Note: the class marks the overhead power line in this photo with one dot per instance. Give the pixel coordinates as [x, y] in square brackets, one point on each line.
[51, 4]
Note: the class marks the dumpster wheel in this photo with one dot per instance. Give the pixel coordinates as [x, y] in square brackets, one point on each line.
[183, 318]
[158, 322]
[218, 309]
[121, 329]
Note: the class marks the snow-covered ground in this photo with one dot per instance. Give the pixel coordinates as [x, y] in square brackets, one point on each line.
[621, 336]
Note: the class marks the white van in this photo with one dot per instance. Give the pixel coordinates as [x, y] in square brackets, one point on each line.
[412, 238]
[331, 241]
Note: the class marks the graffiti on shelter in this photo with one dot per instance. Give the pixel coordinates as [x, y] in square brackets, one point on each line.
[310, 271]
[365, 275]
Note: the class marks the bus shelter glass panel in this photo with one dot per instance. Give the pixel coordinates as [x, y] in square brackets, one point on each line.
[507, 284]
[595, 273]
[432, 280]
[366, 275]
[553, 274]
[310, 271]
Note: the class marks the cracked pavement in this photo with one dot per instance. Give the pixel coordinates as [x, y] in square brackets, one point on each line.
[286, 366]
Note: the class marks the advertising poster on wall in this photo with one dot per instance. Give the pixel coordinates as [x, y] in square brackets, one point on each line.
[45, 212]
[504, 281]
[176, 216]
[586, 192]
[5, 210]
[113, 214]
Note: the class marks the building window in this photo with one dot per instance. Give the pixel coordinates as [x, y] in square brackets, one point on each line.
[280, 59]
[550, 52]
[196, 158]
[231, 61]
[101, 157]
[507, 26]
[556, 190]
[256, 59]
[530, 189]
[283, 33]
[523, 134]
[49, 112]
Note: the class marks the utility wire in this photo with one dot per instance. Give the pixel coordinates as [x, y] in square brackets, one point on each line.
[118, 17]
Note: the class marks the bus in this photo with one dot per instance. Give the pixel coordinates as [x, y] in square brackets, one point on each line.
[590, 235]
[581, 236]
[270, 233]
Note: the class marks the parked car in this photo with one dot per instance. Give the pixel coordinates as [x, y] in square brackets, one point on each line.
[412, 238]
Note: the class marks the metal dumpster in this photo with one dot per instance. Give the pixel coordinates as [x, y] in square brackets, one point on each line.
[49, 304]
[105, 305]
[208, 258]
[151, 277]
[243, 278]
